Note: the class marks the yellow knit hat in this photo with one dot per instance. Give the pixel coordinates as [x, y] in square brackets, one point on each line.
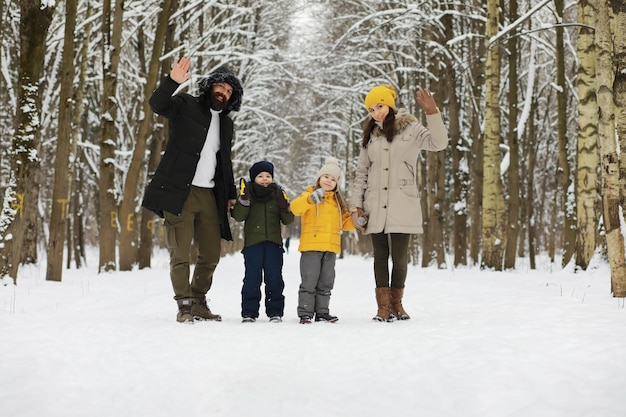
[383, 94]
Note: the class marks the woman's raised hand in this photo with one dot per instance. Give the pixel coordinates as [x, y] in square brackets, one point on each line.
[426, 101]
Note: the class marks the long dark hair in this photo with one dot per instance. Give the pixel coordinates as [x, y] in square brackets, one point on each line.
[388, 125]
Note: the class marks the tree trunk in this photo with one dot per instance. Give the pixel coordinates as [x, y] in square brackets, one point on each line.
[530, 190]
[76, 235]
[458, 149]
[619, 92]
[35, 20]
[476, 159]
[493, 226]
[433, 236]
[587, 145]
[33, 220]
[605, 73]
[563, 170]
[618, 264]
[149, 222]
[107, 194]
[62, 180]
[129, 203]
[513, 206]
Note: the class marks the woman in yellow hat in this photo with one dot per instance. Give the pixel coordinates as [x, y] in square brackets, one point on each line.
[384, 195]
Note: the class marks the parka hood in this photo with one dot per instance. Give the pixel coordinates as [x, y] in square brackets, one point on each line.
[223, 75]
[403, 119]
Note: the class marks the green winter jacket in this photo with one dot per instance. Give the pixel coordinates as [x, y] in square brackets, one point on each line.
[262, 217]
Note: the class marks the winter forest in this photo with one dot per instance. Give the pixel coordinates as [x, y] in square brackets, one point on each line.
[533, 94]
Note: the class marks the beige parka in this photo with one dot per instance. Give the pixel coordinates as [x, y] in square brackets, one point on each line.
[385, 184]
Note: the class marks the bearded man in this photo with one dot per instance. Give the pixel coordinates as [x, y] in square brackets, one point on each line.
[193, 188]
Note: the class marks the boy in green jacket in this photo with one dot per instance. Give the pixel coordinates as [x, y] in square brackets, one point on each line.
[262, 205]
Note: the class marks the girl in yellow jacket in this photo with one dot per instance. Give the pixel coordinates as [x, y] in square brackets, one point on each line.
[324, 215]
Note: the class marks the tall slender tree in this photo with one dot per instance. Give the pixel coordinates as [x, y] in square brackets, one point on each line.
[112, 15]
[458, 146]
[35, 19]
[493, 219]
[129, 205]
[563, 173]
[609, 159]
[62, 180]
[618, 263]
[587, 145]
[513, 202]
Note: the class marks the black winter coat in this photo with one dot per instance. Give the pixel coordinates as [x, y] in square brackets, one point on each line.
[189, 120]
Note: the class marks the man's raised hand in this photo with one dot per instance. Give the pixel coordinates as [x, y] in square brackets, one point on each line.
[180, 70]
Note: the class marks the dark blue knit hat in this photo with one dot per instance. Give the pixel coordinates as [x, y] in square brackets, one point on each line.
[262, 166]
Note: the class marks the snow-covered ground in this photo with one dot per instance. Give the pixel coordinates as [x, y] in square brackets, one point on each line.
[544, 343]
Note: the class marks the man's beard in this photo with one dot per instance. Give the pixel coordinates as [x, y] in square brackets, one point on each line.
[217, 104]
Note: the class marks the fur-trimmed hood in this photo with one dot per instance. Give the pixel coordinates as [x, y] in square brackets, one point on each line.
[223, 75]
[403, 120]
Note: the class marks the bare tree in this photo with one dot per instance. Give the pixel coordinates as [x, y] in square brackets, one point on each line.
[112, 37]
[605, 73]
[19, 195]
[616, 256]
[493, 221]
[563, 173]
[62, 180]
[513, 203]
[587, 148]
[129, 203]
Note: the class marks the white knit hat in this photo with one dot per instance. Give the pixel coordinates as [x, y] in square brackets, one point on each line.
[331, 167]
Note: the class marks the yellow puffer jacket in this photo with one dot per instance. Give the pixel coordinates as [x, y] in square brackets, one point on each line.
[321, 223]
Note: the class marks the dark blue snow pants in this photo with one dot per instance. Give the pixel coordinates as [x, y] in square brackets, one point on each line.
[264, 262]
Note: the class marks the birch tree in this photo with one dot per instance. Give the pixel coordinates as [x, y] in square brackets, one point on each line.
[493, 219]
[617, 261]
[587, 145]
[609, 159]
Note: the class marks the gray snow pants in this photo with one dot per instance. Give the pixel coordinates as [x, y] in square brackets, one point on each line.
[317, 270]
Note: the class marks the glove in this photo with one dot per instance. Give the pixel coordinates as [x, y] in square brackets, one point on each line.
[281, 200]
[317, 196]
[244, 193]
[360, 219]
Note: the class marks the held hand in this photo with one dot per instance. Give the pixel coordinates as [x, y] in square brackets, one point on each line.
[180, 70]
[231, 204]
[317, 196]
[360, 219]
[426, 101]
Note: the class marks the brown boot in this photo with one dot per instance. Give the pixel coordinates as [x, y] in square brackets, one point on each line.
[384, 301]
[201, 311]
[184, 311]
[396, 304]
